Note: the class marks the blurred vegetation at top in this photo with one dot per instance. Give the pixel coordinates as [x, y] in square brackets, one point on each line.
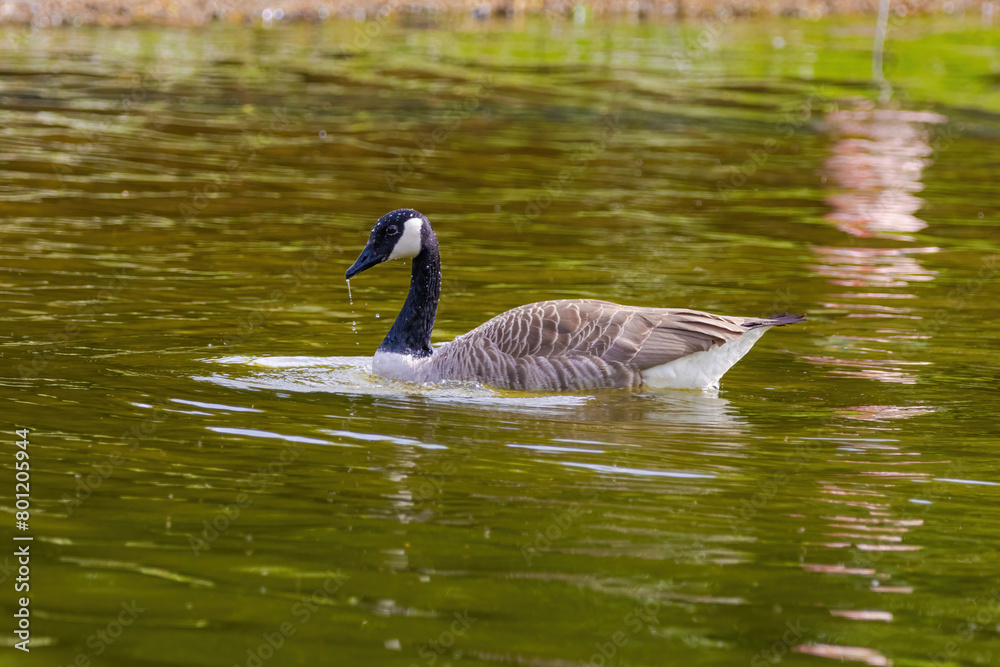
[267, 12]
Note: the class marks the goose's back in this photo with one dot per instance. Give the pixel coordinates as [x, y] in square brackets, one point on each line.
[579, 344]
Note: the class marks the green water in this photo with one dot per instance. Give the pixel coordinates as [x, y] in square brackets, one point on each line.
[208, 449]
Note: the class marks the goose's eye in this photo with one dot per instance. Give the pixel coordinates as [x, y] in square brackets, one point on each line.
[392, 230]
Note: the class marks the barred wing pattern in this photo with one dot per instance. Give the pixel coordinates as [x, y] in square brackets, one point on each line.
[582, 344]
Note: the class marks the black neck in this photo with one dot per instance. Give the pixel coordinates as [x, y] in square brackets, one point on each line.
[411, 332]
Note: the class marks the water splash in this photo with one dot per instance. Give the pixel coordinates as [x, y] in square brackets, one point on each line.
[349, 297]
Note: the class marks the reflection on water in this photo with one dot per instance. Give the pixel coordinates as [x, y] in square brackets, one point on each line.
[878, 156]
[352, 376]
[884, 412]
[864, 524]
[849, 653]
[856, 266]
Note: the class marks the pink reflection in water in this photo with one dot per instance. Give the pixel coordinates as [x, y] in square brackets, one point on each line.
[875, 167]
[872, 267]
[879, 156]
[869, 656]
[883, 370]
[884, 412]
[862, 614]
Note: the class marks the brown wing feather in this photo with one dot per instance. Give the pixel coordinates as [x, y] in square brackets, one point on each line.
[643, 337]
[584, 343]
[676, 333]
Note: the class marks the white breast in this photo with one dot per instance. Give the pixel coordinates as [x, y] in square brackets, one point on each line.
[401, 366]
[702, 369]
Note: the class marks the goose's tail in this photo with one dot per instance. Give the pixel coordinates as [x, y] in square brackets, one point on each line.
[706, 367]
[775, 321]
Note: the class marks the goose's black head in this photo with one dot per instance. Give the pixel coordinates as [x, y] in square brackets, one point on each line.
[401, 233]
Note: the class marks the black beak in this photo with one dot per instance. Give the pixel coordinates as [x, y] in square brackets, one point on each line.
[366, 260]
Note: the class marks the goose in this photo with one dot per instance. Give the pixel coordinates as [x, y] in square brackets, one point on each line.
[563, 345]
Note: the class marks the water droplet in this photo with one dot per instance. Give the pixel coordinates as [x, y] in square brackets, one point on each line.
[349, 297]
[377, 316]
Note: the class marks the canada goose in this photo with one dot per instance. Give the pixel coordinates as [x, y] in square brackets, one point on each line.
[560, 345]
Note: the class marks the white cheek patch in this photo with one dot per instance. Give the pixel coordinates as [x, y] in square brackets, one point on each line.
[409, 243]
